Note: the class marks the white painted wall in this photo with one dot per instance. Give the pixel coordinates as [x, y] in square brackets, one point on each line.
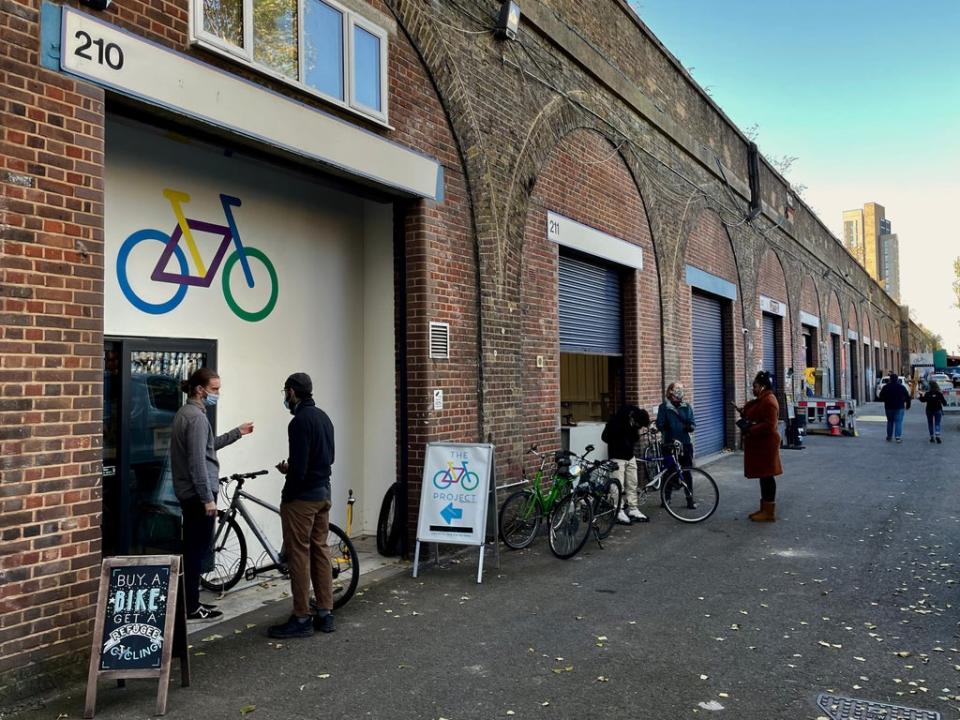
[333, 318]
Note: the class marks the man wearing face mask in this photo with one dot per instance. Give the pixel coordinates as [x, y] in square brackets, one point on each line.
[196, 472]
[675, 421]
[305, 511]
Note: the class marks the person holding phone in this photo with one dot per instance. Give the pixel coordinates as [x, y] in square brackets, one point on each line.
[761, 444]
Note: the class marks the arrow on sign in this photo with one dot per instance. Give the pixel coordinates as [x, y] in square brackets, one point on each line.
[451, 513]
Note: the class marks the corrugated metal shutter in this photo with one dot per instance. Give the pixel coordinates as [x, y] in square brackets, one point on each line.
[590, 315]
[708, 375]
[769, 323]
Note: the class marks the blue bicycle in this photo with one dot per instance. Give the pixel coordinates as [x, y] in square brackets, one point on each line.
[691, 495]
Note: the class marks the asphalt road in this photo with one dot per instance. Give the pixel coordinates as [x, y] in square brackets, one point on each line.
[852, 591]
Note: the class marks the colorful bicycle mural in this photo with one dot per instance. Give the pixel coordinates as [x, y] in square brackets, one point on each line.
[183, 279]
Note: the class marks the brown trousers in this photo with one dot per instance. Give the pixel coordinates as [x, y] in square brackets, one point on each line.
[305, 526]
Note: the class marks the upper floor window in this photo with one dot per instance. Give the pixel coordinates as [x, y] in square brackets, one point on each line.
[318, 45]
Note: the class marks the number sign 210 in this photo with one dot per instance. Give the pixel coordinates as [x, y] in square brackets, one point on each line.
[109, 53]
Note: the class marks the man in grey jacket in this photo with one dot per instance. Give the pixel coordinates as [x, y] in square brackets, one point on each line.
[196, 472]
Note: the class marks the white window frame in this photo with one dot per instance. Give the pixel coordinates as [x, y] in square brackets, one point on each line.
[244, 55]
[357, 21]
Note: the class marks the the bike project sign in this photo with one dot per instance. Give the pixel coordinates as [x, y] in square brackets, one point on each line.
[455, 493]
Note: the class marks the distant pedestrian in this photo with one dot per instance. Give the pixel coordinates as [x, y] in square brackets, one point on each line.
[761, 444]
[896, 401]
[935, 402]
[621, 434]
[675, 420]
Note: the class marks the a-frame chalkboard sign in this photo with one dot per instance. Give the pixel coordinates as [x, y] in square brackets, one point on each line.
[141, 624]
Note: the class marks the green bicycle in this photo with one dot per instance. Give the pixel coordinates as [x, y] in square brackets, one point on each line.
[523, 511]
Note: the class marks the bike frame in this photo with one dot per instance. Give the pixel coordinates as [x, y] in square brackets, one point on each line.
[237, 506]
[184, 229]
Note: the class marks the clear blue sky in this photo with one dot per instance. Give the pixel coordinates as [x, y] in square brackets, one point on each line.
[865, 94]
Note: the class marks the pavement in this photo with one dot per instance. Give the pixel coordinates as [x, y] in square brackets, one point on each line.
[852, 592]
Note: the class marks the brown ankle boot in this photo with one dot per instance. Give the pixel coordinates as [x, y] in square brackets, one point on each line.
[767, 513]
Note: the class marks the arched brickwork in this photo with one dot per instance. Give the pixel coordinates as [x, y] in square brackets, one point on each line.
[586, 180]
[709, 248]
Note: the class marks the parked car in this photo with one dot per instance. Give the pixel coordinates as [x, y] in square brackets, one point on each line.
[883, 381]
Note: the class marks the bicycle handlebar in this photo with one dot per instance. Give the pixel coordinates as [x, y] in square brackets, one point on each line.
[242, 476]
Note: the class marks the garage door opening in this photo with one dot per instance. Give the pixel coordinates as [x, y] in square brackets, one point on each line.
[591, 349]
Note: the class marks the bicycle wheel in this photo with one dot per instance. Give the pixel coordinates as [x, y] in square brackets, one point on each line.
[688, 504]
[250, 315]
[229, 556]
[470, 481]
[570, 522]
[606, 505]
[388, 524]
[519, 519]
[123, 258]
[345, 564]
[443, 479]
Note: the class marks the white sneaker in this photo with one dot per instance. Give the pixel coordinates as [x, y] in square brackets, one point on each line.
[623, 518]
[635, 515]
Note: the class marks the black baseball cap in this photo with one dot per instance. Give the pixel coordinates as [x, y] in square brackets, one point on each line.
[300, 383]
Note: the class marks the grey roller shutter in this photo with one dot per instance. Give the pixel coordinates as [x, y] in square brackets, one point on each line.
[590, 314]
[708, 375]
[769, 323]
[837, 378]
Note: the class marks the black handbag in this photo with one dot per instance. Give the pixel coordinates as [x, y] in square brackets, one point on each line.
[745, 424]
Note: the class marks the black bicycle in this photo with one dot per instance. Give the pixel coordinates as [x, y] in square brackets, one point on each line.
[230, 559]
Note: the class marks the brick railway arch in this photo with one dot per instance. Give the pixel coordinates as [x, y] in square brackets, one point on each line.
[708, 248]
[585, 179]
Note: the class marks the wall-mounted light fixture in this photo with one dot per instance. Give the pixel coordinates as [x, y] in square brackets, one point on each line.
[508, 21]
[97, 4]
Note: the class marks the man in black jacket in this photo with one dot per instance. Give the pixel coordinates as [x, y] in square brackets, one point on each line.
[305, 511]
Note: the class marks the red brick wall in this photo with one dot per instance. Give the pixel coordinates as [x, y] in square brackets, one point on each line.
[709, 249]
[51, 345]
[51, 309]
[587, 181]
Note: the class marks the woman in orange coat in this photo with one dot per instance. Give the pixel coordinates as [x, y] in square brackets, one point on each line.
[761, 444]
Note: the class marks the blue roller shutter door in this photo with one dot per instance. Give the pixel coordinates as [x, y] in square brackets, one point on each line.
[590, 315]
[769, 323]
[708, 375]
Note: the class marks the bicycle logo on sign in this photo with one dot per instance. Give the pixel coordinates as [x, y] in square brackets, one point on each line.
[184, 229]
[468, 479]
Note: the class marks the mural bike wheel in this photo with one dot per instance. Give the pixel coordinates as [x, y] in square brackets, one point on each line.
[123, 258]
[228, 267]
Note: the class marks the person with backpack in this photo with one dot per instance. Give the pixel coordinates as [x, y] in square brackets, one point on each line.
[621, 434]
[935, 402]
[896, 401]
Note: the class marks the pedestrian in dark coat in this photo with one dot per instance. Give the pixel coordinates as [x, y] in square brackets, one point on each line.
[935, 402]
[761, 444]
[896, 401]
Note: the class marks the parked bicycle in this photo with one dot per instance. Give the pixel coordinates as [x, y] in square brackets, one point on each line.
[524, 510]
[230, 557]
[605, 492]
[571, 509]
[691, 495]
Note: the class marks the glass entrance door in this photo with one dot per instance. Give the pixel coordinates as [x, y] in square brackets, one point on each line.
[141, 395]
